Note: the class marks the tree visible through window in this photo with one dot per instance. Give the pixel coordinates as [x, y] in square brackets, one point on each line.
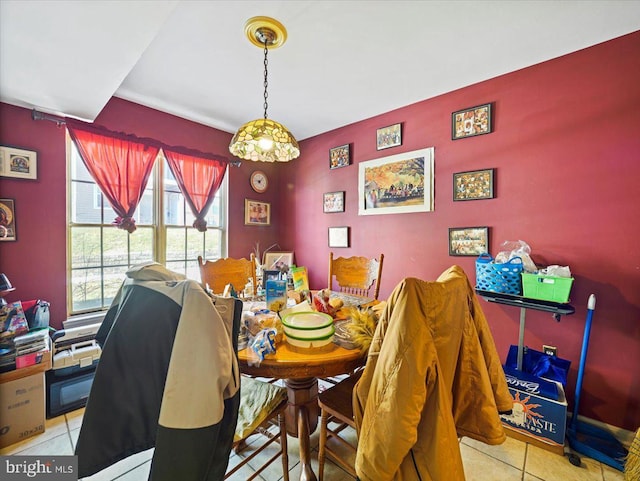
[100, 254]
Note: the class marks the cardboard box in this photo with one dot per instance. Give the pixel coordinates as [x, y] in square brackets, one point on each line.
[536, 416]
[22, 409]
[276, 295]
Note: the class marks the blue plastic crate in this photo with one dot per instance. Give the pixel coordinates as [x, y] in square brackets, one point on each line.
[504, 278]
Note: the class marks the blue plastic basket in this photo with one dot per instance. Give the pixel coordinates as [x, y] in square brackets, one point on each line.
[504, 278]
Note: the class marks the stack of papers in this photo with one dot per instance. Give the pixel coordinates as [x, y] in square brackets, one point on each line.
[33, 341]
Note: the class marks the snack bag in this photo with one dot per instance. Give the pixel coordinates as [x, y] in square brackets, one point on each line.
[300, 278]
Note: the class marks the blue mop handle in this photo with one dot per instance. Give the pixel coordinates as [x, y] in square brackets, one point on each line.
[591, 306]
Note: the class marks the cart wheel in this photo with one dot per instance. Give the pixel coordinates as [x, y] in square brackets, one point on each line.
[574, 459]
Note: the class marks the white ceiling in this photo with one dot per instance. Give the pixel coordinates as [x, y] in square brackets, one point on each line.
[343, 61]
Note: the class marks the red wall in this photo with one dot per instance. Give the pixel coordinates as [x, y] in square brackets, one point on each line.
[36, 263]
[566, 148]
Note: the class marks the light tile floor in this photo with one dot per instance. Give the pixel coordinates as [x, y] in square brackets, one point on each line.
[512, 461]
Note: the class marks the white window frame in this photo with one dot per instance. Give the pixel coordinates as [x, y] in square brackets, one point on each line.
[159, 227]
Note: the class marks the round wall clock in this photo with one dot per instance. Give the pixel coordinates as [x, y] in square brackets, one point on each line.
[259, 181]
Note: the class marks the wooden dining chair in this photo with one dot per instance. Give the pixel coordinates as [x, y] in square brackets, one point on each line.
[261, 405]
[336, 408]
[355, 275]
[219, 273]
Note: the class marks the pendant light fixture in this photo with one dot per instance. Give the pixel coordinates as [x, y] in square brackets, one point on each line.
[265, 140]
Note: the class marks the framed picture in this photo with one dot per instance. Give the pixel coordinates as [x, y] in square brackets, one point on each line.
[333, 202]
[473, 185]
[276, 261]
[339, 157]
[338, 237]
[256, 212]
[396, 184]
[7, 220]
[390, 136]
[468, 241]
[271, 275]
[471, 122]
[18, 163]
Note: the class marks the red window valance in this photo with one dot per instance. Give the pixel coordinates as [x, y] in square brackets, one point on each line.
[121, 164]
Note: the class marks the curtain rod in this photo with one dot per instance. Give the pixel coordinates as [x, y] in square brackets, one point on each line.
[37, 115]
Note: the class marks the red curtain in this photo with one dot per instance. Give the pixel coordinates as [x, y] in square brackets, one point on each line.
[199, 178]
[119, 163]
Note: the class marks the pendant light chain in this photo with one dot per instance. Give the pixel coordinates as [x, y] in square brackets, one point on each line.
[266, 83]
[263, 139]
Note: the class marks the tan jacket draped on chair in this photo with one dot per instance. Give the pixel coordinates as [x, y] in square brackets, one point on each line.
[432, 374]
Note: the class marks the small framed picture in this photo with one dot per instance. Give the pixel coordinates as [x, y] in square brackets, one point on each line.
[18, 163]
[272, 275]
[256, 212]
[277, 261]
[338, 237]
[7, 220]
[473, 185]
[390, 136]
[339, 157]
[333, 202]
[468, 241]
[471, 122]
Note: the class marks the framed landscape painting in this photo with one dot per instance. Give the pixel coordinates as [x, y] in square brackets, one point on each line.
[396, 184]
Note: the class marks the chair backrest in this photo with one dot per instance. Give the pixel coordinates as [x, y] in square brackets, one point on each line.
[217, 274]
[356, 275]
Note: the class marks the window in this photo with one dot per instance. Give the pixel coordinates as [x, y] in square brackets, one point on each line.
[100, 254]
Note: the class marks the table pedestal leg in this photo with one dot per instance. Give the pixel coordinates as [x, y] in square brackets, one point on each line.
[302, 418]
[306, 473]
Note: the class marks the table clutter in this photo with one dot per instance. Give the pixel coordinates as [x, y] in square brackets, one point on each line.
[306, 321]
[24, 357]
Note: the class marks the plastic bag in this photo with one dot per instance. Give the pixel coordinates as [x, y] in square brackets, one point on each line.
[557, 271]
[511, 249]
[260, 345]
[263, 319]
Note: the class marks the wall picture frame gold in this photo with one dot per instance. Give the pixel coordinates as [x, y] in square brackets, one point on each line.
[257, 212]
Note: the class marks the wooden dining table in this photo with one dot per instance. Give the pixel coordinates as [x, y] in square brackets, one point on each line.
[300, 371]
